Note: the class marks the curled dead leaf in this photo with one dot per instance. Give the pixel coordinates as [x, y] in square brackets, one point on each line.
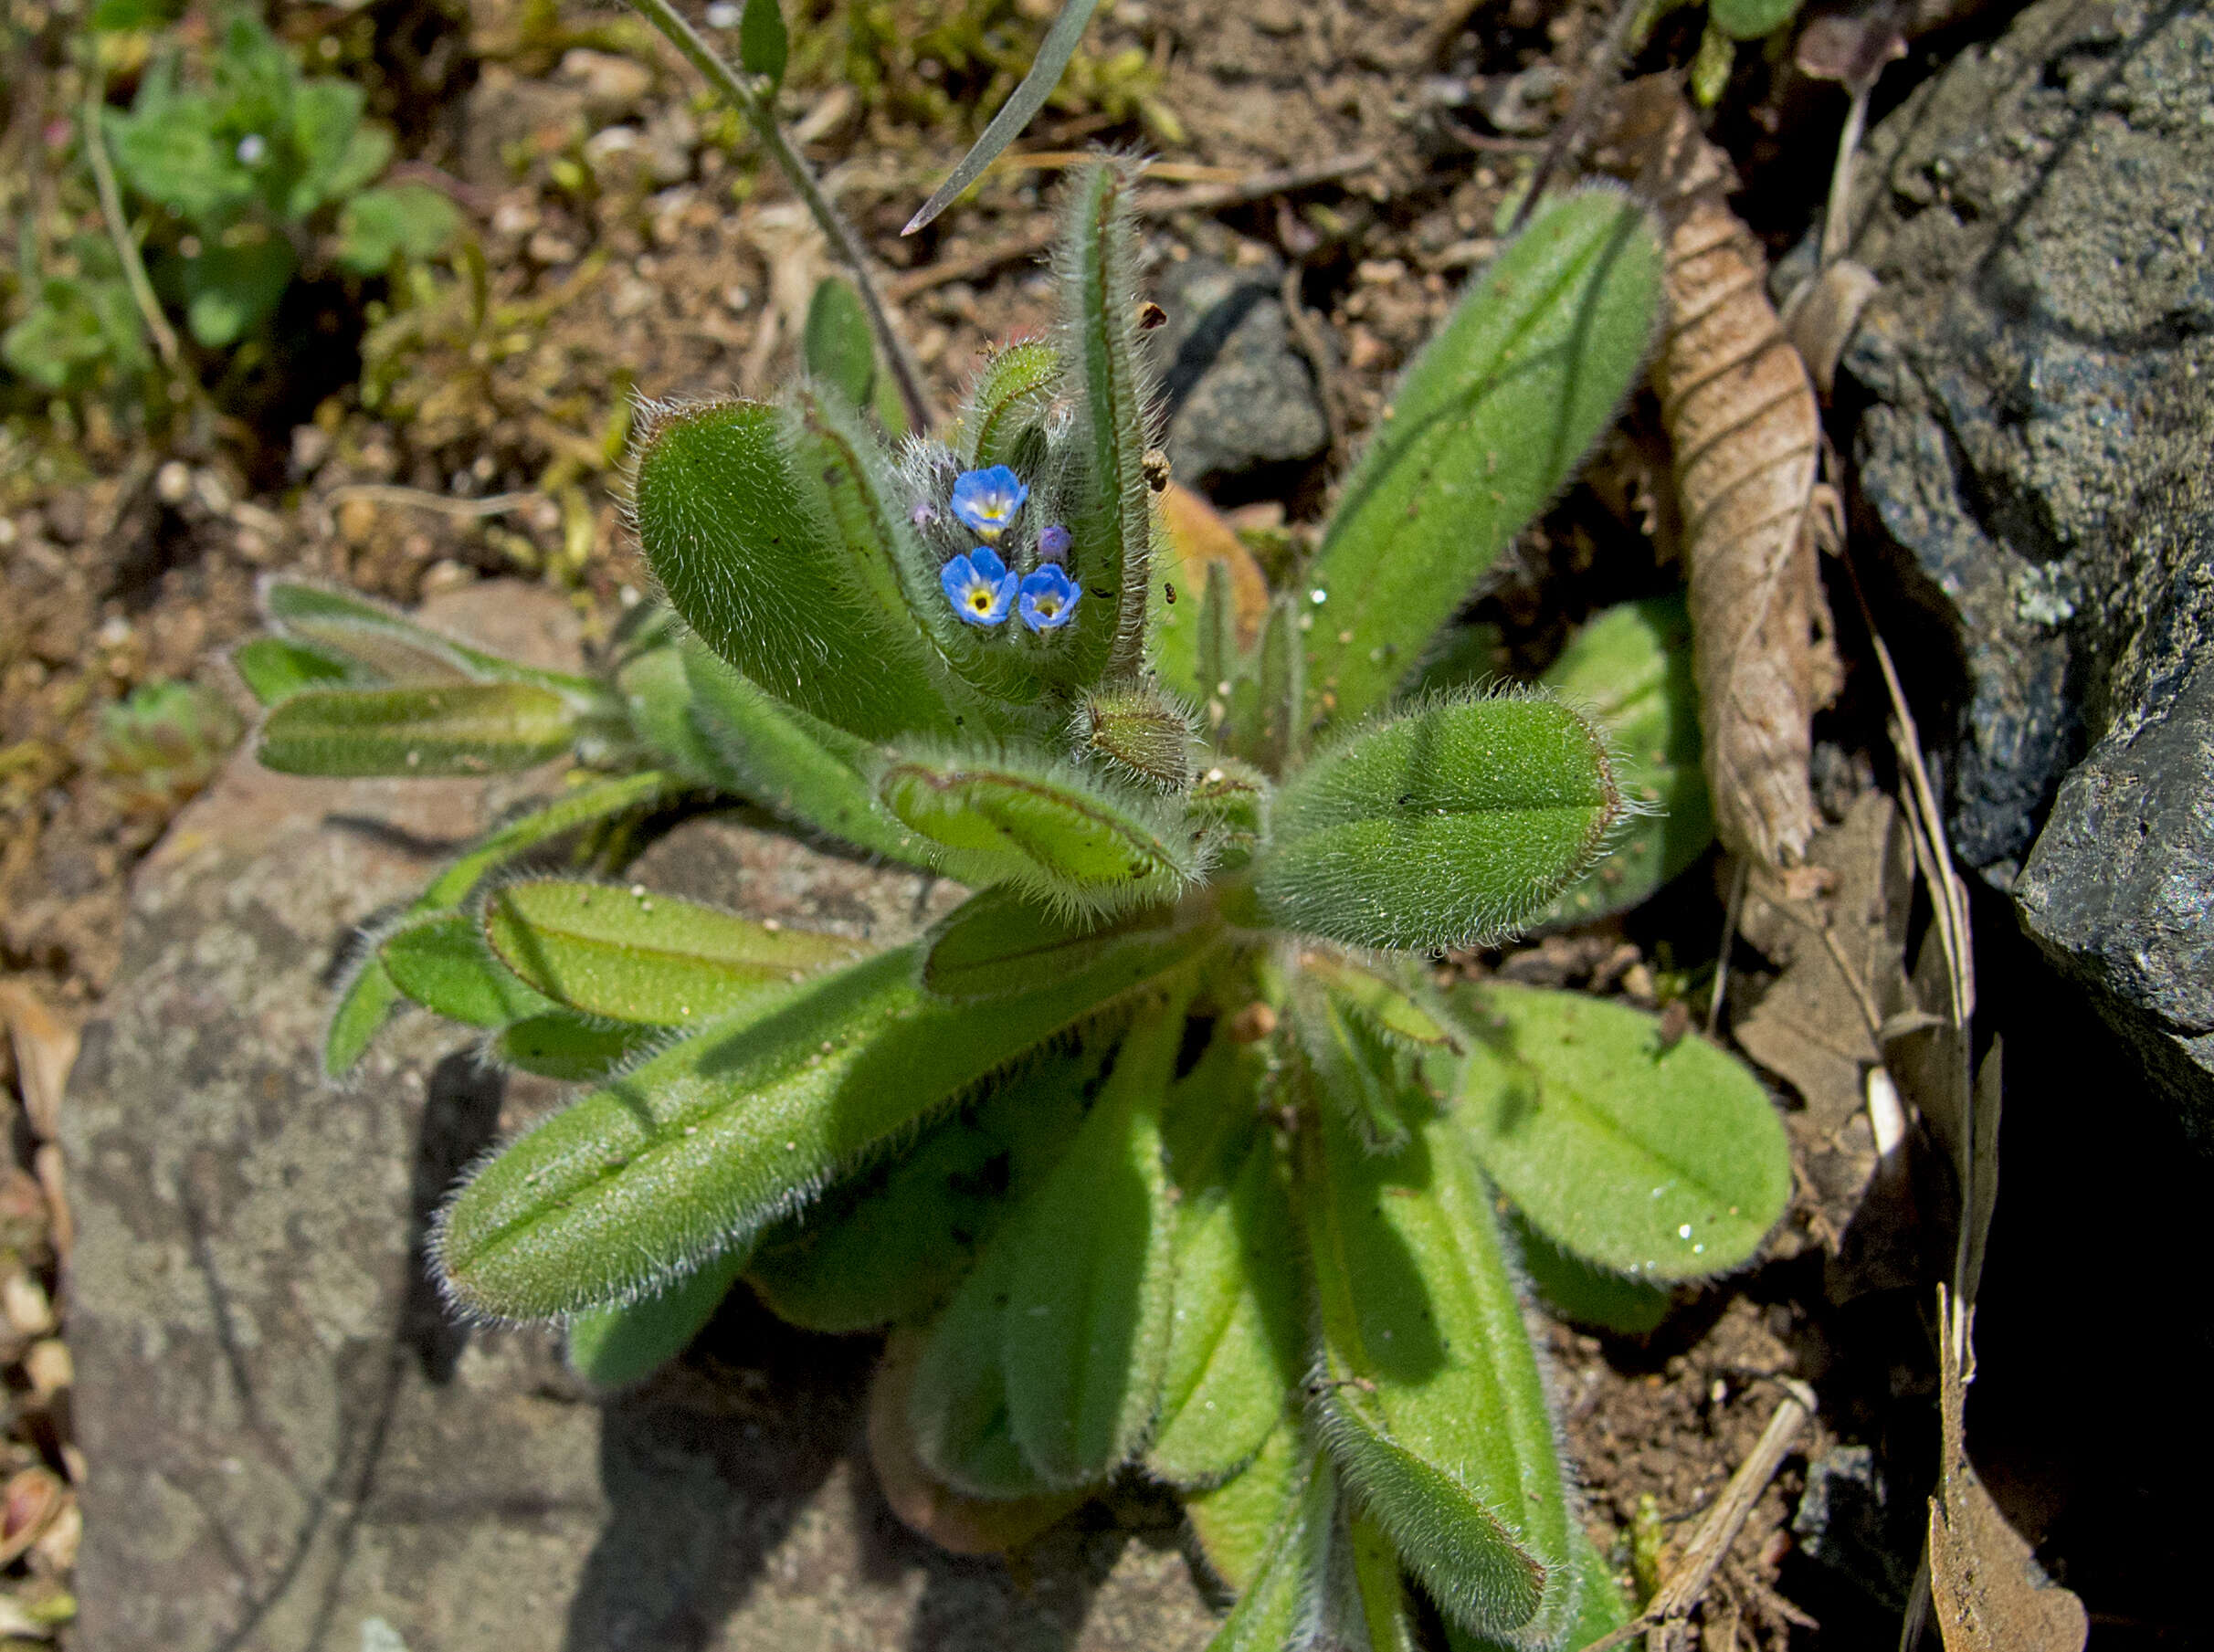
[28, 1507]
[1820, 314]
[1198, 536]
[1741, 413]
[46, 1048]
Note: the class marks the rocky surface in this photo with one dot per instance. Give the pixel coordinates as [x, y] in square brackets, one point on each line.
[1240, 397]
[2041, 364]
[291, 1448]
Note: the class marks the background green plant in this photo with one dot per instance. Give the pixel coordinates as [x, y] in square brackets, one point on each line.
[237, 170]
[1244, 1229]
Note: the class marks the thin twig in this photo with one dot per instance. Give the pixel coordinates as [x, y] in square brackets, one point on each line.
[1687, 1585]
[1308, 336]
[760, 113]
[1840, 180]
[1599, 73]
[119, 231]
[1160, 204]
[1729, 939]
[418, 498]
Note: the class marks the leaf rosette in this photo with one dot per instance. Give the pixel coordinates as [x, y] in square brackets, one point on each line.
[1162, 1152]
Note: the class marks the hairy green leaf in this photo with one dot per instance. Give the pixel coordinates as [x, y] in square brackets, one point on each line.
[1281, 1606]
[750, 556]
[1489, 422]
[572, 1048]
[957, 1408]
[1630, 668]
[1601, 1609]
[1066, 838]
[455, 728]
[1443, 827]
[1396, 1008]
[615, 1347]
[1234, 1335]
[1659, 1161]
[763, 44]
[1085, 1332]
[805, 769]
[836, 343]
[441, 963]
[1112, 525]
[1233, 1521]
[273, 668]
[370, 994]
[633, 955]
[1004, 422]
[696, 1149]
[1427, 1391]
[381, 645]
[885, 1246]
[998, 944]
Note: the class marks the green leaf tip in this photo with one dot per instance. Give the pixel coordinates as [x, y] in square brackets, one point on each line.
[1427, 1390]
[1630, 668]
[1447, 827]
[1112, 375]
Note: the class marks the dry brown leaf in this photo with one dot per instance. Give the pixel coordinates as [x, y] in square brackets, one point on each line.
[46, 1048]
[32, 1499]
[1199, 536]
[1844, 956]
[1985, 1586]
[1822, 313]
[1739, 409]
[965, 1525]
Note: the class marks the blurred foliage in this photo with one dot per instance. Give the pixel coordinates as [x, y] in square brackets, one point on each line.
[236, 172]
[161, 745]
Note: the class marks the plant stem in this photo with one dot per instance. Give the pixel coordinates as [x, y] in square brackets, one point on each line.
[752, 102]
[119, 231]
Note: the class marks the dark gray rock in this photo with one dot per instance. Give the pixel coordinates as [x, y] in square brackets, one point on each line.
[1241, 397]
[1845, 1520]
[291, 1448]
[2042, 363]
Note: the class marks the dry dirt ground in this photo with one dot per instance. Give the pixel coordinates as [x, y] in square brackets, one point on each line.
[633, 242]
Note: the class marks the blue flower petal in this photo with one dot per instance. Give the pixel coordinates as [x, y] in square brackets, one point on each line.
[986, 561]
[979, 597]
[988, 499]
[1048, 599]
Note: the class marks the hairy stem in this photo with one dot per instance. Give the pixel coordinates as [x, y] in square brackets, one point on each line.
[754, 105]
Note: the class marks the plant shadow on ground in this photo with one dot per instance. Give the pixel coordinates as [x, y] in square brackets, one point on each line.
[717, 1475]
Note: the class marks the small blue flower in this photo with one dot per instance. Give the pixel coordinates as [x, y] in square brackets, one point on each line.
[1048, 599]
[979, 586]
[987, 500]
[1053, 544]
